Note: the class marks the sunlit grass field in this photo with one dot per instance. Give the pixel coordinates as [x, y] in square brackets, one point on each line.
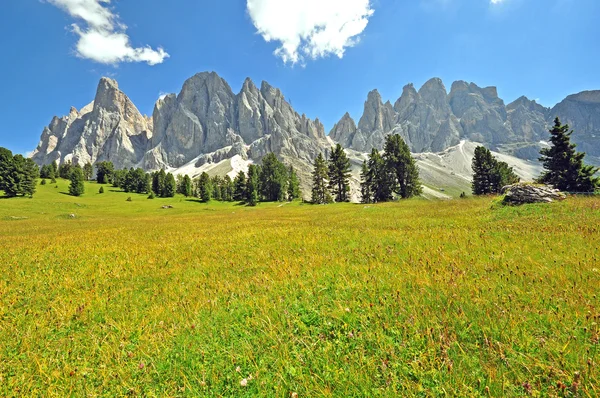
[419, 298]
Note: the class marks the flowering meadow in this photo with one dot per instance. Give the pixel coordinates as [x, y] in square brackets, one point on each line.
[100, 296]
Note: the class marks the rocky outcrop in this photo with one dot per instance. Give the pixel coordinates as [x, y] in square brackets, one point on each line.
[519, 194]
[582, 113]
[528, 120]
[205, 123]
[431, 119]
[110, 128]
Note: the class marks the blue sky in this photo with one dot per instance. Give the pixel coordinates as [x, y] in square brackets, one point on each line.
[55, 51]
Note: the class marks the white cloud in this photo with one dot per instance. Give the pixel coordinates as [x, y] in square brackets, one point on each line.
[310, 28]
[104, 39]
[496, 1]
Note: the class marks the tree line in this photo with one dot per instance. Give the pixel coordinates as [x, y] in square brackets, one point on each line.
[383, 177]
[564, 168]
[18, 175]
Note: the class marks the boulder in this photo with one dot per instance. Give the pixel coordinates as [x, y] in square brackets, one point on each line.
[519, 194]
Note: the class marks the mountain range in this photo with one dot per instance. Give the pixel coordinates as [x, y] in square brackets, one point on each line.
[207, 127]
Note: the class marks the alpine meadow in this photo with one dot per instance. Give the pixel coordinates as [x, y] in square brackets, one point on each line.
[101, 296]
[300, 198]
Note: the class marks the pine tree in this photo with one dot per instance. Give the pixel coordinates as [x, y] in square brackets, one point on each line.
[339, 174]
[64, 170]
[483, 169]
[293, 185]
[252, 185]
[239, 187]
[31, 173]
[216, 188]
[503, 175]
[365, 186]
[379, 178]
[205, 188]
[229, 189]
[564, 166]
[6, 166]
[489, 175]
[187, 186]
[170, 186]
[161, 179]
[273, 179]
[19, 175]
[104, 171]
[402, 167]
[320, 193]
[77, 187]
[101, 190]
[88, 170]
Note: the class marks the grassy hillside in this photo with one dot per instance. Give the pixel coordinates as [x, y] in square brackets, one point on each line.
[420, 298]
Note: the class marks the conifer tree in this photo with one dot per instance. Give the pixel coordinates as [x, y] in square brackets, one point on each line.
[187, 186]
[216, 183]
[489, 175]
[564, 167]
[64, 170]
[273, 179]
[239, 187]
[320, 193]
[402, 167]
[6, 166]
[204, 187]
[252, 185]
[293, 185]
[228, 183]
[88, 170]
[365, 186]
[161, 179]
[170, 186]
[104, 172]
[339, 174]
[379, 179]
[31, 173]
[77, 187]
[483, 169]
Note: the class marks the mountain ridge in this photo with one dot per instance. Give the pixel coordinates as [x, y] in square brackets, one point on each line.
[206, 122]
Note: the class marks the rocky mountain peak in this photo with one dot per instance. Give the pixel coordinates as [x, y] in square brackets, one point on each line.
[591, 97]
[434, 92]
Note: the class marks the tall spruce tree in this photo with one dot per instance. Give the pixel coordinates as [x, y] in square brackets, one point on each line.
[104, 172]
[379, 178]
[239, 187]
[77, 186]
[273, 179]
[490, 175]
[186, 186]
[161, 180]
[564, 167]
[6, 167]
[170, 186]
[320, 193]
[339, 174]
[252, 185]
[64, 170]
[483, 169]
[88, 170]
[205, 187]
[293, 192]
[402, 166]
[228, 192]
[365, 187]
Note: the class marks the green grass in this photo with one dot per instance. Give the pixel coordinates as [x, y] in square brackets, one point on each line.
[419, 298]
